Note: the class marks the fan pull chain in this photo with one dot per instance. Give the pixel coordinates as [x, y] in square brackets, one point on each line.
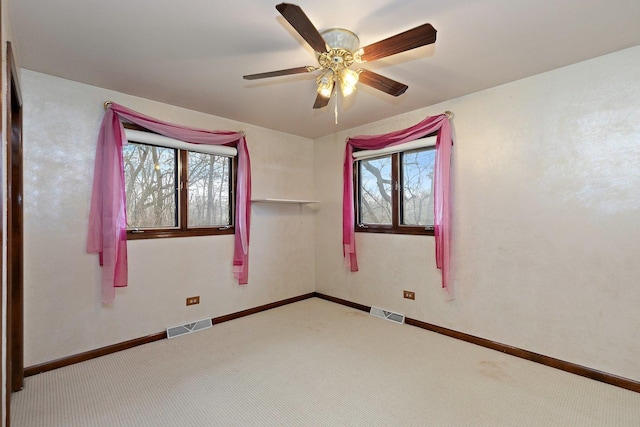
[336, 105]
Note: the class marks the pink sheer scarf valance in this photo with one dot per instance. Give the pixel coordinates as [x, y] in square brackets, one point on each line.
[442, 187]
[108, 215]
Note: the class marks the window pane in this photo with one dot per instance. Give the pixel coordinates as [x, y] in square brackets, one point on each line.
[375, 191]
[208, 190]
[150, 177]
[417, 187]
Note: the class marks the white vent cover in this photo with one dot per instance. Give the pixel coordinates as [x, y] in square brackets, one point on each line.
[388, 315]
[188, 328]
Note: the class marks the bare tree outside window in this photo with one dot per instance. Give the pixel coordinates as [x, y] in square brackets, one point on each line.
[417, 187]
[375, 191]
[159, 205]
[395, 192]
[150, 177]
[208, 190]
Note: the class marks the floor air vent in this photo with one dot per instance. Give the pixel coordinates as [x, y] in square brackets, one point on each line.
[188, 328]
[388, 315]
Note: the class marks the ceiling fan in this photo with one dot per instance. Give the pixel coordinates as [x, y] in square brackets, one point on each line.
[338, 49]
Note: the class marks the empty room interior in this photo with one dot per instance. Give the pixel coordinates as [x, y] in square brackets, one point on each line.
[323, 213]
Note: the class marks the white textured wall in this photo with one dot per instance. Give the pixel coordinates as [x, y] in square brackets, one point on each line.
[546, 240]
[63, 313]
[546, 210]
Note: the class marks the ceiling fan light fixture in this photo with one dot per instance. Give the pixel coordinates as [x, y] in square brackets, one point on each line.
[349, 77]
[348, 81]
[325, 82]
[347, 90]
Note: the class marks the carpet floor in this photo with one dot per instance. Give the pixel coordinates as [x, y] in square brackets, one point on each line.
[316, 363]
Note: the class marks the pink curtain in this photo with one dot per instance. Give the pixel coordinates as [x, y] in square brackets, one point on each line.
[108, 216]
[442, 188]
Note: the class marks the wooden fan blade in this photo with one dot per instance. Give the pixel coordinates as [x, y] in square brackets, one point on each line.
[297, 70]
[385, 84]
[321, 102]
[419, 36]
[298, 20]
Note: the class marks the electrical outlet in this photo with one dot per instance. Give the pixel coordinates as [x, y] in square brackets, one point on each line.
[193, 300]
[409, 295]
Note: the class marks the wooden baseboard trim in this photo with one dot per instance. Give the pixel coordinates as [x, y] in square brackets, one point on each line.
[265, 307]
[343, 302]
[573, 368]
[92, 354]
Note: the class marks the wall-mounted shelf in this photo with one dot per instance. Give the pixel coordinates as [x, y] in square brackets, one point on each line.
[289, 201]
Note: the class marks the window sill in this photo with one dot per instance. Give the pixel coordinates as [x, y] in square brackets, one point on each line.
[414, 231]
[161, 234]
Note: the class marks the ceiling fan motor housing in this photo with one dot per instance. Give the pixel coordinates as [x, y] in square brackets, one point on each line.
[343, 49]
[339, 38]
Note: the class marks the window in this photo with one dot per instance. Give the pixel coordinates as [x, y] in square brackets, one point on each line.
[394, 192]
[175, 192]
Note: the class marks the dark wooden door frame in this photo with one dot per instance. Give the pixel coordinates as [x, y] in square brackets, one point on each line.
[3, 380]
[15, 297]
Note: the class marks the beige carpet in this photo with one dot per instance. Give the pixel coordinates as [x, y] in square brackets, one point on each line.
[316, 363]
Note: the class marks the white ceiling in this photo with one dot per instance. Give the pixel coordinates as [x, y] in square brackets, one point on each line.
[193, 53]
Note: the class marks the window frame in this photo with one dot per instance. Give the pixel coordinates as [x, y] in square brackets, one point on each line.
[396, 200]
[182, 211]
